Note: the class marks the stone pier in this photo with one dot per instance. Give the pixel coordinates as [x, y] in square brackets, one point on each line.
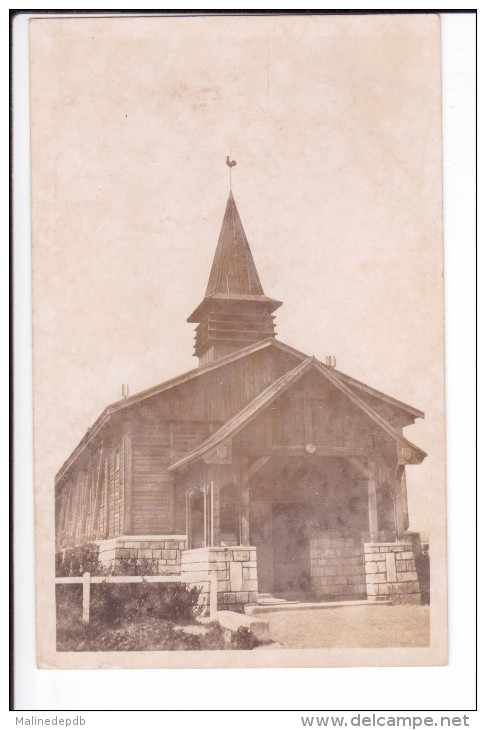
[391, 573]
[236, 569]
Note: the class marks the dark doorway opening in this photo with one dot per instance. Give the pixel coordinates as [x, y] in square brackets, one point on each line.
[291, 553]
[279, 533]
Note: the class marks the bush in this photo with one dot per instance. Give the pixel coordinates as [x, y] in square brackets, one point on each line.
[79, 560]
[135, 566]
[114, 603]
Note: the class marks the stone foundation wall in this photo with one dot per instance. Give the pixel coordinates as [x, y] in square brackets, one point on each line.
[337, 564]
[236, 569]
[391, 573]
[165, 549]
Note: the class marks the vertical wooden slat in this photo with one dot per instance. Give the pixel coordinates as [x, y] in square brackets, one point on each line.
[127, 487]
[245, 515]
[188, 520]
[107, 496]
[398, 494]
[372, 507]
[308, 429]
[205, 515]
[404, 500]
[215, 505]
[98, 496]
[85, 502]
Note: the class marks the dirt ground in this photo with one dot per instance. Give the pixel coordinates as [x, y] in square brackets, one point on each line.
[351, 626]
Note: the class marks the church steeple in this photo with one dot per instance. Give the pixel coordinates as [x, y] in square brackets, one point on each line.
[234, 312]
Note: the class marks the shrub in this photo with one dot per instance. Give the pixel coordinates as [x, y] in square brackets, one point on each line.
[78, 560]
[113, 603]
[135, 566]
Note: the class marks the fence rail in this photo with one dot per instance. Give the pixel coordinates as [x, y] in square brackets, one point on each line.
[87, 579]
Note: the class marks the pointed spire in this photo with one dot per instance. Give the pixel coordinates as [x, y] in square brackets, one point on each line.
[234, 312]
[233, 270]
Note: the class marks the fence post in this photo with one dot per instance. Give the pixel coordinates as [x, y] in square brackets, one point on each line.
[213, 595]
[86, 596]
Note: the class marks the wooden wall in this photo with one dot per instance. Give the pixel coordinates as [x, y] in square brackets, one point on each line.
[120, 484]
[89, 501]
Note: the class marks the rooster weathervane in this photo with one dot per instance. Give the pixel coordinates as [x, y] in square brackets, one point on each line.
[231, 164]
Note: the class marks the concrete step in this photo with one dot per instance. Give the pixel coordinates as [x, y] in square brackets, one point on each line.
[255, 608]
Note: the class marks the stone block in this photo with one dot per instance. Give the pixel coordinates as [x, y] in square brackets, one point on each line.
[376, 578]
[242, 597]
[240, 555]
[236, 576]
[384, 589]
[233, 621]
[410, 565]
[374, 556]
[414, 598]
[401, 565]
[371, 567]
[391, 572]
[408, 576]
[122, 552]
[381, 567]
[250, 585]
[224, 585]
[412, 587]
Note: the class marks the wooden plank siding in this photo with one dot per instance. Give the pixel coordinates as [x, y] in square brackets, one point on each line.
[156, 509]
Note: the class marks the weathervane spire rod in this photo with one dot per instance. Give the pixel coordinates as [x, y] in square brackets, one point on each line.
[231, 163]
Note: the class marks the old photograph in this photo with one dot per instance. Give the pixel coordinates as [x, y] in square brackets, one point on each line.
[238, 347]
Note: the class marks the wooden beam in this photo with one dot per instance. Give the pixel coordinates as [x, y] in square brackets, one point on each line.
[245, 515]
[256, 466]
[398, 495]
[127, 490]
[98, 497]
[372, 506]
[308, 428]
[215, 532]
[107, 497]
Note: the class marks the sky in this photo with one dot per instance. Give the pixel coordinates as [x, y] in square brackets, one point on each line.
[335, 126]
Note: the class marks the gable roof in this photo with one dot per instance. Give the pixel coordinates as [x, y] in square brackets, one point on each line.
[241, 419]
[270, 342]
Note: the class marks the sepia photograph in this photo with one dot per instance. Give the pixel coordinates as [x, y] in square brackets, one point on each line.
[238, 341]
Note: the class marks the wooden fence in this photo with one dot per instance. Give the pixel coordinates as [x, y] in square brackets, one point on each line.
[87, 579]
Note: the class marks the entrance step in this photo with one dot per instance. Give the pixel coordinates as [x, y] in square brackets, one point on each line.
[283, 605]
[267, 599]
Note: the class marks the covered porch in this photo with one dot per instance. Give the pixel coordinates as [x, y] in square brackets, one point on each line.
[296, 520]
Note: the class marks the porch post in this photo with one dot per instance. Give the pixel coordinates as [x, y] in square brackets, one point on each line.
[372, 509]
[214, 502]
[188, 520]
[245, 515]
[398, 494]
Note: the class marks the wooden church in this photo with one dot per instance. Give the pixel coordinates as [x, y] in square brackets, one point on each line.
[275, 471]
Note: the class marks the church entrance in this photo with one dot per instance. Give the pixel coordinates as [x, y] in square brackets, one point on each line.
[279, 533]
